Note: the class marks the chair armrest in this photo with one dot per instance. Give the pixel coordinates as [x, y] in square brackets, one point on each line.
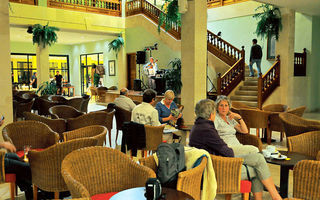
[149, 162]
[228, 174]
[2, 173]
[318, 156]
[247, 139]
[77, 189]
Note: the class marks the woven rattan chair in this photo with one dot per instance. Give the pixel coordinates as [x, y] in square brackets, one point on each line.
[94, 118]
[94, 92]
[22, 107]
[295, 125]
[306, 143]
[306, 180]
[113, 87]
[84, 104]
[153, 138]
[96, 131]
[44, 106]
[297, 111]
[136, 102]
[188, 181]
[57, 98]
[248, 139]
[122, 116]
[275, 123]
[46, 165]
[7, 178]
[36, 134]
[57, 125]
[75, 102]
[29, 95]
[109, 123]
[99, 170]
[64, 112]
[236, 106]
[255, 118]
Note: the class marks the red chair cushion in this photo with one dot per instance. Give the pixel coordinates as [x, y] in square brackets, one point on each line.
[9, 178]
[105, 196]
[21, 153]
[245, 186]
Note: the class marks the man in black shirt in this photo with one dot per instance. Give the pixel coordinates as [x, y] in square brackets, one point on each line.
[34, 80]
[255, 57]
[59, 80]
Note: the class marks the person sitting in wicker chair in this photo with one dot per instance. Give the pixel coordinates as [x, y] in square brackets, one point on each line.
[228, 124]
[204, 135]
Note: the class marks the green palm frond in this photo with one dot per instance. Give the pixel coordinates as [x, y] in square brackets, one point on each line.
[47, 88]
[116, 45]
[270, 23]
[170, 14]
[173, 76]
[44, 35]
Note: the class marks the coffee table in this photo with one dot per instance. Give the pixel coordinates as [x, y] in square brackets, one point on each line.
[285, 166]
[138, 194]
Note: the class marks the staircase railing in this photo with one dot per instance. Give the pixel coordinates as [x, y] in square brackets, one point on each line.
[107, 7]
[223, 50]
[300, 63]
[152, 12]
[268, 82]
[229, 80]
[30, 2]
[218, 3]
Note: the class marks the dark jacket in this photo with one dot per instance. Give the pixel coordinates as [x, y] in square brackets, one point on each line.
[134, 136]
[204, 135]
[256, 52]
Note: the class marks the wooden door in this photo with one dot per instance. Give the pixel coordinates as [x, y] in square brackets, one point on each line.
[131, 67]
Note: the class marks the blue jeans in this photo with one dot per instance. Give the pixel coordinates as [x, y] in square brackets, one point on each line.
[258, 63]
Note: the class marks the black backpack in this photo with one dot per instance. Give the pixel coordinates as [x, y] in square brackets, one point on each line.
[171, 162]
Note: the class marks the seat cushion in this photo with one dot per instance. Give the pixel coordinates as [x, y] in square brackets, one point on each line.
[104, 196]
[9, 178]
[245, 186]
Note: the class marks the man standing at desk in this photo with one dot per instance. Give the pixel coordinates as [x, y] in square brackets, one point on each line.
[59, 80]
[151, 69]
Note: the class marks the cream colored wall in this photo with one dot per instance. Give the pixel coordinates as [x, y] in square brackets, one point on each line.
[215, 66]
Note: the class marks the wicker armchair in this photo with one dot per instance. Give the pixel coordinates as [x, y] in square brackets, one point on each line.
[29, 95]
[101, 91]
[275, 123]
[96, 131]
[57, 98]
[84, 104]
[297, 111]
[22, 107]
[94, 92]
[247, 139]
[136, 102]
[188, 181]
[113, 87]
[94, 118]
[7, 178]
[306, 180]
[75, 102]
[295, 125]
[46, 165]
[44, 106]
[122, 116]
[255, 118]
[64, 112]
[36, 134]
[57, 125]
[85, 177]
[306, 143]
[236, 106]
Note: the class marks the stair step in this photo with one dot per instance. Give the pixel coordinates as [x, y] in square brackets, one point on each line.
[249, 103]
[248, 78]
[250, 83]
[251, 88]
[244, 98]
[246, 92]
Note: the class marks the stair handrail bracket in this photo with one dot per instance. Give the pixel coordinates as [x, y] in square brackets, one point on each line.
[268, 82]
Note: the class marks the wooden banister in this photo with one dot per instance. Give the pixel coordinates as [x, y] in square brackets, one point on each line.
[30, 2]
[300, 63]
[268, 82]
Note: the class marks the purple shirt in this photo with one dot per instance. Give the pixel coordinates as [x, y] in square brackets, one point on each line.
[204, 135]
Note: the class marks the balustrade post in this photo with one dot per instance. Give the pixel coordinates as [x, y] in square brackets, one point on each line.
[142, 5]
[243, 65]
[278, 70]
[260, 88]
[120, 8]
[219, 84]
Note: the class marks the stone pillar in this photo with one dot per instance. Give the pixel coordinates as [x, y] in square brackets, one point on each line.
[6, 108]
[193, 57]
[42, 64]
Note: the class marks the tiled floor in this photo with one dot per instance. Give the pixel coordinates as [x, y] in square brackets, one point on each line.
[275, 170]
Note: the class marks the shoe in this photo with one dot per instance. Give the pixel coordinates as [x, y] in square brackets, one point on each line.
[251, 75]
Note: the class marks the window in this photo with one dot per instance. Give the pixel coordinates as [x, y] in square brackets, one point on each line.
[59, 63]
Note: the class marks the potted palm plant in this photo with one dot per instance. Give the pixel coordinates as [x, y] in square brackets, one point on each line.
[47, 88]
[173, 76]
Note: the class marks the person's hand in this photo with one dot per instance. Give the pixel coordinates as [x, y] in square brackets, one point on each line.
[10, 147]
[233, 115]
[171, 117]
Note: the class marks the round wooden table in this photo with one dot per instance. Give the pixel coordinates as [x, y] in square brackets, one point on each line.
[138, 194]
[285, 166]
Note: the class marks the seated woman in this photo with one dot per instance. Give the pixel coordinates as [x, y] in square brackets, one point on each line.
[203, 135]
[165, 106]
[228, 123]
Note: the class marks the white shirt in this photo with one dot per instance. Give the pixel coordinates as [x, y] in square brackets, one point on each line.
[145, 113]
[124, 102]
[226, 131]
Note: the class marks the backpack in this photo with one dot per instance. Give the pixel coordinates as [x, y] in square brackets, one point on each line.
[171, 162]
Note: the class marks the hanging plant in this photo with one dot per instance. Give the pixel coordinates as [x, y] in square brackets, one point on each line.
[269, 21]
[173, 76]
[116, 45]
[44, 35]
[170, 15]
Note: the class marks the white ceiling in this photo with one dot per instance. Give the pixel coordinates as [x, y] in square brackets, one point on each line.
[310, 7]
[67, 37]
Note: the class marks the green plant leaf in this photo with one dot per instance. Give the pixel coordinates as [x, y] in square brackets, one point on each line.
[173, 76]
[116, 45]
[170, 15]
[44, 35]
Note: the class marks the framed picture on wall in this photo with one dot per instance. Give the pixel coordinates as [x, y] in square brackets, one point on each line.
[271, 48]
[112, 67]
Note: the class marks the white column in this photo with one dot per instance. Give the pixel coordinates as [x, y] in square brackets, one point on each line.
[42, 64]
